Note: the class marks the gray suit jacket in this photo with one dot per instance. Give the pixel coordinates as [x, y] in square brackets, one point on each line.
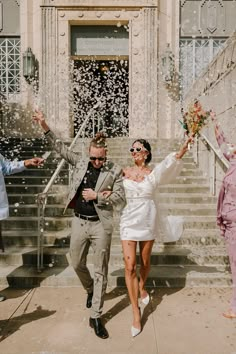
[110, 179]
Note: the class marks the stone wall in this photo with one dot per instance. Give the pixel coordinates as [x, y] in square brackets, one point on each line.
[216, 90]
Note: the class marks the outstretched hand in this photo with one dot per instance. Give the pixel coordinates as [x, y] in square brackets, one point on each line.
[188, 142]
[35, 161]
[185, 147]
[39, 118]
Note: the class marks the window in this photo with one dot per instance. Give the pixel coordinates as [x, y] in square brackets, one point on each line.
[9, 65]
[195, 55]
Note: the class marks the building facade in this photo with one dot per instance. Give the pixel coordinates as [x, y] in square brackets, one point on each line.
[126, 64]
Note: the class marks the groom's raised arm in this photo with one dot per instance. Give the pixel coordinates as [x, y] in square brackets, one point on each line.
[58, 145]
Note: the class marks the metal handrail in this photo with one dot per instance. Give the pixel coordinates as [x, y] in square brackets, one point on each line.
[216, 154]
[41, 198]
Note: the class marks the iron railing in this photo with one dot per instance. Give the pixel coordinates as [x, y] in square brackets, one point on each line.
[215, 155]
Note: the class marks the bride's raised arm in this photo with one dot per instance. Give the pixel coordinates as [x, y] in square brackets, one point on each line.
[166, 171]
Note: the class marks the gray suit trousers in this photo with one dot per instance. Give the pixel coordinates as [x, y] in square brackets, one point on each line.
[83, 235]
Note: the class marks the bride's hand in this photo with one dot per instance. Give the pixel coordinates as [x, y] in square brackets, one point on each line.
[106, 194]
[185, 147]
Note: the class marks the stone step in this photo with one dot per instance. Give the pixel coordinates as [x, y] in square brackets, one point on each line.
[204, 237]
[185, 188]
[53, 256]
[17, 148]
[23, 154]
[189, 209]
[24, 199]
[24, 188]
[124, 162]
[159, 276]
[180, 198]
[156, 158]
[51, 210]
[18, 209]
[37, 180]
[194, 172]
[39, 172]
[191, 180]
[64, 179]
[60, 198]
[62, 222]
[190, 237]
[199, 256]
[197, 222]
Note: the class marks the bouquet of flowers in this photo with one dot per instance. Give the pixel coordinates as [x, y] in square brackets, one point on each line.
[195, 118]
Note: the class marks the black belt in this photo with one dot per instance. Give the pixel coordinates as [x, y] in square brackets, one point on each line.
[88, 218]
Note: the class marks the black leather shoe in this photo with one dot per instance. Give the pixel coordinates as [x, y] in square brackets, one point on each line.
[89, 300]
[99, 329]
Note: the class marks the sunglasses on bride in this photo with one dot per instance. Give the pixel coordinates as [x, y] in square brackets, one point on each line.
[138, 149]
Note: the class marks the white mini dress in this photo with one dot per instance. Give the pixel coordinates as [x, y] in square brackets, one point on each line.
[139, 218]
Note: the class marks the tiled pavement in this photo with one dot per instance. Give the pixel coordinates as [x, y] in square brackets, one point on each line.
[177, 321]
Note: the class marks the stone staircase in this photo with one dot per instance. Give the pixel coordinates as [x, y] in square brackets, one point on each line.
[197, 259]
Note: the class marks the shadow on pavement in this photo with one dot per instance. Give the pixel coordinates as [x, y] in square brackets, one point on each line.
[118, 307]
[13, 324]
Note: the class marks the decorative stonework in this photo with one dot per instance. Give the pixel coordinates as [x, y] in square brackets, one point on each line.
[101, 3]
[211, 17]
[143, 57]
[1, 16]
[207, 18]
[203, 2]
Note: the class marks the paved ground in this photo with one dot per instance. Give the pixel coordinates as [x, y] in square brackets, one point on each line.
[177, 321]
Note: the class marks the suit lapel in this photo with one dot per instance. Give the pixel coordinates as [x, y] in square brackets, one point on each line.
[102, 176]
[82, 169]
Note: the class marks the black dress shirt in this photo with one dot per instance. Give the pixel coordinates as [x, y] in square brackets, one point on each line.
[89, 181]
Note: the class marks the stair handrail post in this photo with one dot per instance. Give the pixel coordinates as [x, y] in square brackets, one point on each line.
[213, 172]
[214, 155]
[41, 204]
[197, 151]
[41, 198]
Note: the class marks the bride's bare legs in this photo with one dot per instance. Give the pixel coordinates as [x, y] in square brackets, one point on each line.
[129, 251]
[145, 255]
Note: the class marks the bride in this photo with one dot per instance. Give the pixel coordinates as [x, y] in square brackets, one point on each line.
[138, 218]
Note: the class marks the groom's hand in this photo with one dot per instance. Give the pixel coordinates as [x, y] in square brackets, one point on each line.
[39, 118]
[89, 194]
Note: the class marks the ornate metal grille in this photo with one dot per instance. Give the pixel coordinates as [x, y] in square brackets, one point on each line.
[9, 65]
[195, 55]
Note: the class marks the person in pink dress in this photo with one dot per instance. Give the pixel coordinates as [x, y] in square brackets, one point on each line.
[226, 210]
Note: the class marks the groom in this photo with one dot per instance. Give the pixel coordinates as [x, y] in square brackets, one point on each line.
[93, 215]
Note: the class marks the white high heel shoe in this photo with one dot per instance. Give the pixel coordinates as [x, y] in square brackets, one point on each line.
[146, 300]
[135, 331]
